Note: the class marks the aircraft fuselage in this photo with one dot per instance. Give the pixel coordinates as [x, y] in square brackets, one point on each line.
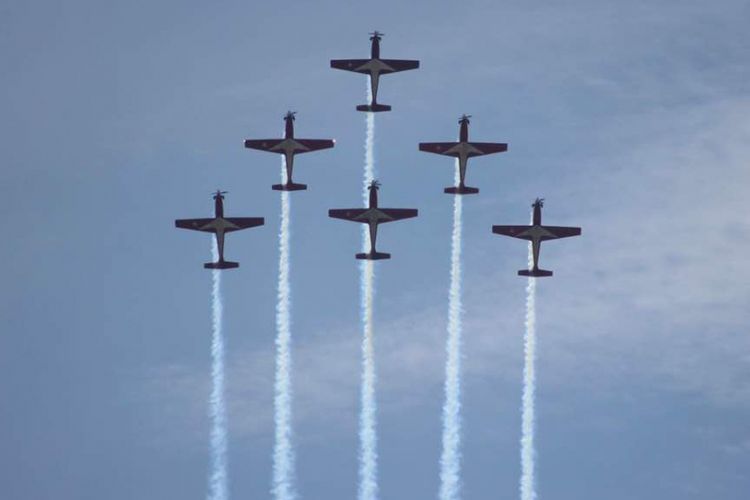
[463, 134]
[219, 225]
[537, 233]
[462, 150]
[375, 49]
[375, 67]
[288, 147]
[289, 127]
[373, 216]
[219, 206]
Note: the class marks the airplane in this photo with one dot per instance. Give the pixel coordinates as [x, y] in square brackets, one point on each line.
[289, 146]
[463, 150]
[220, 225]
[375, 66]
[536, 234]
[373, 216]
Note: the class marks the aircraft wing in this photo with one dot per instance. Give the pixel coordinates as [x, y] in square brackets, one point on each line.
[350, 65]
[399, 65]
[475, 148]
[397, 214]
[351, 214]
[314, 145]
[243, 223]
[487, 148]
[560, 232]
[195, 224]
[512, 231]
[439, 148]
[262, 144]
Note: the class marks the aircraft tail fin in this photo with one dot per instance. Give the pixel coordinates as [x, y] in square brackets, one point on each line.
[374, 107]
[535, 273]
[461, 190]
[222, 264]
[289, 186]
[373, 256]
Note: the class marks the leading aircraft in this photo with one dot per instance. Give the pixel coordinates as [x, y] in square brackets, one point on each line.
[375, 66]
[463, 150]
[373, 216]
[289, 146]
[220, 225]
[536, 234]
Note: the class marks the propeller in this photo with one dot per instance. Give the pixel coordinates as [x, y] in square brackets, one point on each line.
[374, 184]
[219, 192]
[376, 34]
[463, 118]
[290, 114]
[538, 201]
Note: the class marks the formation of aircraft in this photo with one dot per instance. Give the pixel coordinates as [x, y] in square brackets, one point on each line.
[536, 234]
[220, 225]
[375, 66]
[463, 150]
[373, 216]
[289, 146]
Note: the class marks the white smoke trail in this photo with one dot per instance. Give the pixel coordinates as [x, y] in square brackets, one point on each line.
[368, 454]
[283, 452]
[217, 483]
[528, 454]
[450, 461]
[368, 459]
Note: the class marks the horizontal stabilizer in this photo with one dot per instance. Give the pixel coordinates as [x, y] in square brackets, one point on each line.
[373, 108]
[222, 264]
[373, 256]
[534, 273]
[461, 190]
[289, 187]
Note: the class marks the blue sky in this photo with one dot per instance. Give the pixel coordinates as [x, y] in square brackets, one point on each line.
[629, 118]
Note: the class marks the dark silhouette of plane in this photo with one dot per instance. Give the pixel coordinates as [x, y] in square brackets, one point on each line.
[373, 216]
[463, 150]
[289, 146]
[536, 234]
[375, 66]
[220, 225]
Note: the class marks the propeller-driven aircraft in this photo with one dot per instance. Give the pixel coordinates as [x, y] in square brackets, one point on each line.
[463, 150]
[373, 216]
[289, 146]
[375, 66]
[536, 234]
[220, 225]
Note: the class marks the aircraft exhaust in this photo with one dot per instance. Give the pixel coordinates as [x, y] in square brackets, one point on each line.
[368, 457]
[218, 478]
[283, 487]
[528, 453]
[450, 460]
